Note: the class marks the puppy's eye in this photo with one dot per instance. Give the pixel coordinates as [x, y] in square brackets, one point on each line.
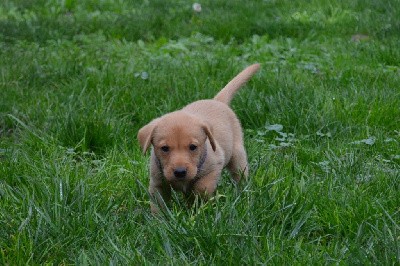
[165, 148]
[192, 147]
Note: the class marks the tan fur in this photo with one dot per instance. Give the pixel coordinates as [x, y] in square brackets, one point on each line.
[191, 146]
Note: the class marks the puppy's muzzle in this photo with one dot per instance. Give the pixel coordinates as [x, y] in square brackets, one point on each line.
[180, 172]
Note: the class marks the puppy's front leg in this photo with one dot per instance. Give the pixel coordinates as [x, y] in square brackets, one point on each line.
[160, 196]
[160, 191]
[206, 185]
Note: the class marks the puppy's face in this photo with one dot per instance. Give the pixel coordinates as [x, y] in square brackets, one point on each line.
[179, 150]
[179, 142]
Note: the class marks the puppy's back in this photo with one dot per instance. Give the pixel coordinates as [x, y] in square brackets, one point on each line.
[211, 111]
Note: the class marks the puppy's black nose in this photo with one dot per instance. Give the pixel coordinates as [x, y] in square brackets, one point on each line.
[180, 172]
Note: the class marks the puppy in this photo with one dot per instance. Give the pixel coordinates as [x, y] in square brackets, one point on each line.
[191, 146]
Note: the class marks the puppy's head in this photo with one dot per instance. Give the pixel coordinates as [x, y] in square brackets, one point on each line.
[180, 144]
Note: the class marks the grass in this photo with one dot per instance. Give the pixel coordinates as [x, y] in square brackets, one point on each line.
[321, 121]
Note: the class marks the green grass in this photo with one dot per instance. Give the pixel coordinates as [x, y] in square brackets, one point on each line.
[321, 122]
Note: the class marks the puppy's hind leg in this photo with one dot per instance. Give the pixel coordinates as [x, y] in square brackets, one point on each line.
[238, 165]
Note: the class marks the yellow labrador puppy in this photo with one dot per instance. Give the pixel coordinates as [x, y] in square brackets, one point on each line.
[191, 146]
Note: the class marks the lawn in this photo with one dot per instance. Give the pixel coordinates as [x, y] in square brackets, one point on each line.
[321, 120]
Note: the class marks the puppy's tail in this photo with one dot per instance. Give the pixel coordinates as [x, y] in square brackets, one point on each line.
[227, 93]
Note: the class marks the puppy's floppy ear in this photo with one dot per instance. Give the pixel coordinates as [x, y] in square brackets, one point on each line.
[210, 136]
[145, 135]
